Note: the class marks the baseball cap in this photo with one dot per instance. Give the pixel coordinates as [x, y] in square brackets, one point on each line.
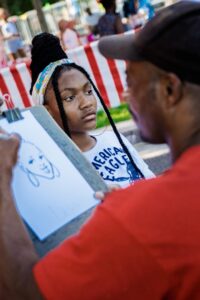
[171, 41]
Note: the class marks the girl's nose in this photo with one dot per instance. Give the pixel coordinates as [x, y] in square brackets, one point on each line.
[85, 101]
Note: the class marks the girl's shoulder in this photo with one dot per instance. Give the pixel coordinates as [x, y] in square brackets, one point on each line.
[108, 134]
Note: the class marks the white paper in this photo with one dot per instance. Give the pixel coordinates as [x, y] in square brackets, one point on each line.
[48, 189]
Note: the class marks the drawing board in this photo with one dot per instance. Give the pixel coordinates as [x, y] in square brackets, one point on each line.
[48, 188]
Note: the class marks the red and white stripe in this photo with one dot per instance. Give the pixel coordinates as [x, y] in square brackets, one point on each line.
[108, 75]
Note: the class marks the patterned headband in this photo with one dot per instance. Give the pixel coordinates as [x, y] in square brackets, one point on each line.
[40, 86]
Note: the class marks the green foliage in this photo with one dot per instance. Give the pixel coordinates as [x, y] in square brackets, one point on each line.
[119, 114]
[17, 7]
[45, 2]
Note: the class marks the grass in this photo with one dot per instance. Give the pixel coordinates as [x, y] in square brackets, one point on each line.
[119, 114]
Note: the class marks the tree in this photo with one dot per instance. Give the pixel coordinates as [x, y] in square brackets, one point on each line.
[38, 6]
[4, 4]
[18, 7]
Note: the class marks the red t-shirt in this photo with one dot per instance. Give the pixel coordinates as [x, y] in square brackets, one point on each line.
[141, 243]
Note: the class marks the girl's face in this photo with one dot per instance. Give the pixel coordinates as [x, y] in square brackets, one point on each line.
[78, 100]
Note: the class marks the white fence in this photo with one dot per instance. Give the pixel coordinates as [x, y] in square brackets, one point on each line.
[108, 75]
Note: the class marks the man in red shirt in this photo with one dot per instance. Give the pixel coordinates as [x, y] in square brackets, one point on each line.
[141, 242]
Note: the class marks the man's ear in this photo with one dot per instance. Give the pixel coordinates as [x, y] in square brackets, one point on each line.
[173, 89]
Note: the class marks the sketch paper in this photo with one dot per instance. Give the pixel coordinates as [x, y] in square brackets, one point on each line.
[48, 189]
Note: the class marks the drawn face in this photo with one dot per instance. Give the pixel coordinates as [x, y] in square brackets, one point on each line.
[35, 164]
[35, 161]
[79, 102]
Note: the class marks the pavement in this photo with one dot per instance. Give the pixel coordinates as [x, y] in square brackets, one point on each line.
[156, 156]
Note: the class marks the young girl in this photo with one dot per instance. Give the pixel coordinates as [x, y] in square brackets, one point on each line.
[66, 90]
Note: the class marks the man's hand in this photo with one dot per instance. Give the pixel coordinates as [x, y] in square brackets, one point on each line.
[9, 145]
[101, 195]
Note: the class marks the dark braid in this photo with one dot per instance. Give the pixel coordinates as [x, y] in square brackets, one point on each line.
[55, 77]
[111, 120]
[47, 49]
[112, 123]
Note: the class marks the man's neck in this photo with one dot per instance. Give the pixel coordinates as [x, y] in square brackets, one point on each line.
[183, 142]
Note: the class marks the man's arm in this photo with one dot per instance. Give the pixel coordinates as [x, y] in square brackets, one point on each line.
[17, 252]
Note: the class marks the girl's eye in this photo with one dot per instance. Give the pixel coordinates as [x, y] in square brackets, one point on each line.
[89, 92]
[69, 99]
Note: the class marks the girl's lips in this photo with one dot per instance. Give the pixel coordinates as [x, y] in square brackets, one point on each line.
[90, 117]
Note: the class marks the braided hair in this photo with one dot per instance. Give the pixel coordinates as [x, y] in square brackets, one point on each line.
[45, 49]
[40, 50]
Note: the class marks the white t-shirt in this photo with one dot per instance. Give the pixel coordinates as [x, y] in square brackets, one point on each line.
[9, 28]
[114, 166]
[70, 39]
[93, 19]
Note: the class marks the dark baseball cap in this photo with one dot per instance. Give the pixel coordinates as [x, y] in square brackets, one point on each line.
[171, 41]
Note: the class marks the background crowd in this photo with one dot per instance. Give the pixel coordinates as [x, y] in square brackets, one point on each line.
[106, 20]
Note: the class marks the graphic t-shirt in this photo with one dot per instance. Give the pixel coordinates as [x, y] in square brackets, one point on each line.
[113, 164]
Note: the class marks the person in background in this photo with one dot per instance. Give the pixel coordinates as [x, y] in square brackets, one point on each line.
[3, 58]
[91, 22]
[110, 23]
[69, 37]
[13, 41]
[147, 7]
[130, 7]
[92, 19]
